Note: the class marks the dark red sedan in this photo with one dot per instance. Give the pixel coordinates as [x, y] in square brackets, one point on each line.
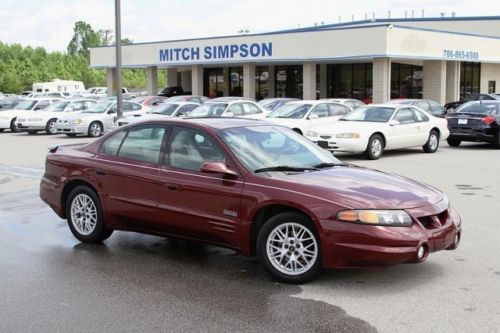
[251, 186]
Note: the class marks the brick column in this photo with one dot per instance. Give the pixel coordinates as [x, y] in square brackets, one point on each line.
[435, 80]
[249, 80]
[452, 81]
[197, 80]
[309, 80]
[381, 80]
[152, 77]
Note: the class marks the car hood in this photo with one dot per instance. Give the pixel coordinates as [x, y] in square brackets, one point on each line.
[360, 188]
[285, 121]
[346, 126]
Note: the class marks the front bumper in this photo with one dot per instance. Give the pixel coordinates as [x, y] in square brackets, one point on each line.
[341, 145]
[347, 245]
[72, 129]
[473, 135]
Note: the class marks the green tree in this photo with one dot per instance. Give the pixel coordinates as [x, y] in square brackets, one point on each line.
[84, 37]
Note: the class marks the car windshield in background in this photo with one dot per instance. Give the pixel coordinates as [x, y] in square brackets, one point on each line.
[294, 111]
[262, 147]
[8, 103]
[209, 110]
[99, 107]
[25, 105]
[58, 106]
[378, 114]
[480, 108]
[164, 109]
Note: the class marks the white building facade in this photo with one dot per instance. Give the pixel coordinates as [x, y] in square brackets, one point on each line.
[443, 59]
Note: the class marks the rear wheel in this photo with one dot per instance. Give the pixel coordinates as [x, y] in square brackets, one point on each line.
[84, 214]
[50, 128]
[375, 147]
[95, 129]
[432, 144]
[13, 127]
[289, 248]
[454, 142]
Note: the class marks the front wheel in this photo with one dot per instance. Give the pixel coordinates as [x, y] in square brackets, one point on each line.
[454, 142]
[13, 127]
[50, 128]
[95, 129]
[432, 144]
[375, 147]
[289, 248]
[84, 215]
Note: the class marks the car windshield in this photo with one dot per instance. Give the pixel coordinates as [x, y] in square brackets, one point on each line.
[58, 106]
[294, 111]
[99, 107]
[209, 110]
[25, 105]
[8, 103]
[377, 114]
[479, 108]
[262, 147]
[164, 109]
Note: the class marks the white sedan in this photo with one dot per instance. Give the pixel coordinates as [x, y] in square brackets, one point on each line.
[301, 116]
[96, 120]
[375, 128]
[45, 120]
[230, 107]
[8, 117]
[166, 109]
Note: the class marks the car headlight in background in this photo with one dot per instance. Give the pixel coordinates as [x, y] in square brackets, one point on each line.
[312, 134]
[398, 218]
[76, 121]
[348, 136]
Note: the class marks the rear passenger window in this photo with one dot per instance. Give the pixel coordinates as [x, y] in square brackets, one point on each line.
[420, 116]
[249, 108]
[112, 144]
[143, 143]
[337, 110]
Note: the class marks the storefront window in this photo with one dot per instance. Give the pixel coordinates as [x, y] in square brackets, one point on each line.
[213, 82]
[261, 82]
[470, 76]
[236, 81]
[288, 81]
[406, 81]
[350, 81]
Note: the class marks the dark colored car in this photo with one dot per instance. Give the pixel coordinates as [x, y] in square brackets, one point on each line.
[172, 91]
[252, 186]
[477, 121]
[427, 105]
[476, 97]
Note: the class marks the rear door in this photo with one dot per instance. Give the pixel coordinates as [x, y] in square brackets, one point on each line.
[195, 204]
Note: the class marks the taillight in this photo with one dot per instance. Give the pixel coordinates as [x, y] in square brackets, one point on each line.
[488, 120]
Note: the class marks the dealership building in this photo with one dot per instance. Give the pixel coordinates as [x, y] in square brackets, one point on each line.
[443, 59]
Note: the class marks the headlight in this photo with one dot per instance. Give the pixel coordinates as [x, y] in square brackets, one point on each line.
[312, 133]
[348, 135]
[76, 121]
[398, 218]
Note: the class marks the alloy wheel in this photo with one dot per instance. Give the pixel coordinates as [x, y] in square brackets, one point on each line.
[83, 214]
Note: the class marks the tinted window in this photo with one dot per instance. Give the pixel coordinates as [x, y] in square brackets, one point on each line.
[42, 105]
[111, 145]
[405, 116]
[190, 148]
[143, 143]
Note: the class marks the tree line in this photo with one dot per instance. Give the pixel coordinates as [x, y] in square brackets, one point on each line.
[21, 66]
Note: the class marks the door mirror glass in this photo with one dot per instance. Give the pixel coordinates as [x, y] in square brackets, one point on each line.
[394, 122]
[217, 167]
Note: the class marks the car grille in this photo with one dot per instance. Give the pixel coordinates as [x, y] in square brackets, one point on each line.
[434, 221]
[326, 137]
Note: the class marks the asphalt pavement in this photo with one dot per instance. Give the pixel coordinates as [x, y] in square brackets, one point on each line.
[50, 282]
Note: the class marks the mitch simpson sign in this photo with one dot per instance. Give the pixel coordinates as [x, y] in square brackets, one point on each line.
[229, 51]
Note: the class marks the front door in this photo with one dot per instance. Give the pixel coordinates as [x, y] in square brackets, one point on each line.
[195, 204]
[406, 133]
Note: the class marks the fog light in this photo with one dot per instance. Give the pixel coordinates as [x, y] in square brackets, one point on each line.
[421, 252]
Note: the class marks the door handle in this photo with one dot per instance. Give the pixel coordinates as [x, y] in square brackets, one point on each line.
[171, 186]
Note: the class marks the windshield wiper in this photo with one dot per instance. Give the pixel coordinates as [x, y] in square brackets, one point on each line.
[285, 168]
[327, 165]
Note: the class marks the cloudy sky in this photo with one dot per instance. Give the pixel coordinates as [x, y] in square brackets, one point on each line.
[50, 23]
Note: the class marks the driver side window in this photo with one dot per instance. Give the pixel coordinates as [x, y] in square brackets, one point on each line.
[405, 116]
[321, 111]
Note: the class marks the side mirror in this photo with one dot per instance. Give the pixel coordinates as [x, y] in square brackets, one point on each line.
[228, 114]
[217, 167]
[394, 122]
[111, 112]
[313, 116]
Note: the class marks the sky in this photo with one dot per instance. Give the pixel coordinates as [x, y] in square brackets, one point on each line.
[50, 23]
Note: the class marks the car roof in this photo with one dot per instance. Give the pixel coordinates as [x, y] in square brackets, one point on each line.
[229, 99]
[311, 101]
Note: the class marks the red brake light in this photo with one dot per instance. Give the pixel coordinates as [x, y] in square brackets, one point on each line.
[488, 120]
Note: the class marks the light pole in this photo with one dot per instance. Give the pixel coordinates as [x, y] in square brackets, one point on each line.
[118, 68]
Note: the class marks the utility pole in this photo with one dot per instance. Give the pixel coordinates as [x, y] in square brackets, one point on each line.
[118, 68]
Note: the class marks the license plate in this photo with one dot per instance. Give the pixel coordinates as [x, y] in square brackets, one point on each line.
[462, 121]
[323, 144]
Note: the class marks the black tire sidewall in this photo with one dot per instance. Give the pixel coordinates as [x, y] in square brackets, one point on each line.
[100, 132]
[47, 127]
[269, 225]
[427, 146]
[13, 127]
[100, 231]
[454, 142]
[368, 151]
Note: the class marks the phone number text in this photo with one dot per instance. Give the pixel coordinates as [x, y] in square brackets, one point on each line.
[460, 54]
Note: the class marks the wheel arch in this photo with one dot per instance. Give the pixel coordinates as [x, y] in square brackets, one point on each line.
[384, 140]
[436, 129]
[68, 187]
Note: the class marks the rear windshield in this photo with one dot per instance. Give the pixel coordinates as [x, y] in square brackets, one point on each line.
[480, 108]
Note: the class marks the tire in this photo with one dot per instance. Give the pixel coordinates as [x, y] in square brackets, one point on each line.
[95, 129]
[1, 130]
[496, 144]
[84, 215]
[71, 135]
[32, 132]
[13, 127]
[454, 142]
[50, 128]
[283, 268]
[375, 147]
[432, 144]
